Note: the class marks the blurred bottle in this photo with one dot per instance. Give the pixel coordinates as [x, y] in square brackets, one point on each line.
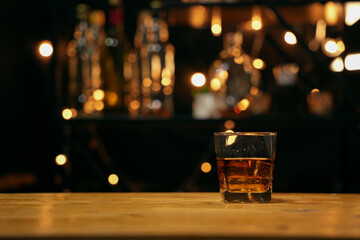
[113, 54]
[233, 79]
[75, 50]
[85, 93]
[155, 57]
[132, 83]
[92, 94]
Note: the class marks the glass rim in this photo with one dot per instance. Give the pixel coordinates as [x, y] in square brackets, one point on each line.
[245, 133]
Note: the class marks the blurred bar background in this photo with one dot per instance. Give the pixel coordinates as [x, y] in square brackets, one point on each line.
[126, 95]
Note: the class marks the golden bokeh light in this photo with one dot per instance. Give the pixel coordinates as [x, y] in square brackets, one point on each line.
[198, 79]
[290, 38]
[256, 23]
[67, 114]
[236, 52]
[197, 16]
[254, 90]
[71, 52]
[88, 107]
[156, 87]
[134, 104]
[45, 48]
[215, 84]
[258, 63]
[243, 104]
[155, 67]
[332, 13]
[206, 167]
[223, 74]
[352, 62]
[320, 32]
[341, 46]
[98, 106]
[167, 90]
[337, 65]
[352, 12]
[98, 94]
[229, 124]
[315, 90]
[166, 81]
[216, 29]
[111, 98]
[239, 60]
[147, 82]
[60, 159]
[113, 179]
[331, 46]
[74, 112]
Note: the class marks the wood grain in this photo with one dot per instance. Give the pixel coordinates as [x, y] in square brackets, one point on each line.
[177, 215]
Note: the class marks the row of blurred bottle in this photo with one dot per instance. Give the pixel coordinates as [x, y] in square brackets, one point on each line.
[107, 74]
[236, 89]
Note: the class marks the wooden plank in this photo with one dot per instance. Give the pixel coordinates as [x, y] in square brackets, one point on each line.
[178, 215]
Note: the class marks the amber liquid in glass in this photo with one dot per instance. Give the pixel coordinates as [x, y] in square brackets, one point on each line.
[245, 179]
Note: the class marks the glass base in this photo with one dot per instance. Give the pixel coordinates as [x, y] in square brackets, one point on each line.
[236, 197]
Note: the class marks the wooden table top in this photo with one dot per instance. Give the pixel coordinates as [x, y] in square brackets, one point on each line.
[177, 215]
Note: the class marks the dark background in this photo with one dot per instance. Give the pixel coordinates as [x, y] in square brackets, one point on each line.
[314, 153]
